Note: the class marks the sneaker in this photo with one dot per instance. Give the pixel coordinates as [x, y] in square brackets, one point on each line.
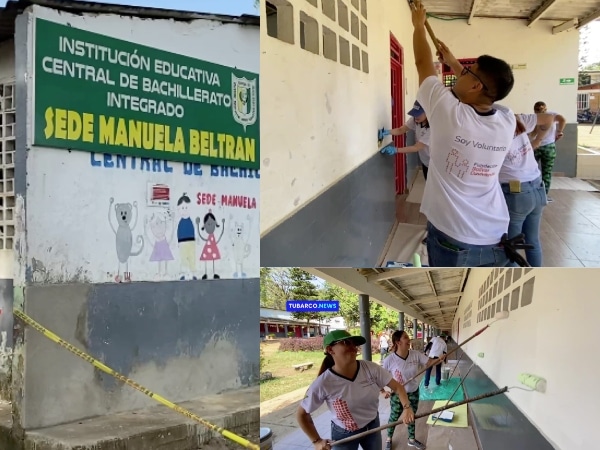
[549, 199]
[416, 444]
[388, 445]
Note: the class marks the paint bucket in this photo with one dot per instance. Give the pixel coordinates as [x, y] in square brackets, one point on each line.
[445, 373]
[266, 439]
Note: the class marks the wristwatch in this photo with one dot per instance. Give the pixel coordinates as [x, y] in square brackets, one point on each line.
[406, 406]
[316, 440]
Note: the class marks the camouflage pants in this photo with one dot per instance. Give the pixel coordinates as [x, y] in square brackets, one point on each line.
[546, 154]
[396, 411]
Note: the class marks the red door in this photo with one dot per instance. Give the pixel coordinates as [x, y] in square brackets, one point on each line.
[397, 77]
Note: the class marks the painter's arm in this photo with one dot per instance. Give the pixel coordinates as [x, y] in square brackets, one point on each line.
[560, 127]
[412, 148]
[399, 131]
[422, 51]
[445, 56]
[307, 425]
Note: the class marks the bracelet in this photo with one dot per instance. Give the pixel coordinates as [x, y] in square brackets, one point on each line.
[316, 440]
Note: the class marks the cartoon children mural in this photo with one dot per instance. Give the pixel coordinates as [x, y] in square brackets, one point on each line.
[210, 252]
[161, 246]
[240, 244]
[186, 237]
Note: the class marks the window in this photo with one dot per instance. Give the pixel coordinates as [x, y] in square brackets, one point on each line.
[583, 101]
[7, 165]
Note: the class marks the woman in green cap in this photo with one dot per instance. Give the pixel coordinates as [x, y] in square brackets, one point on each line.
[351, 389]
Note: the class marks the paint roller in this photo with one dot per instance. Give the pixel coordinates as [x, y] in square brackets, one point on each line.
[534, 382]
[499, 316]
[419, 416]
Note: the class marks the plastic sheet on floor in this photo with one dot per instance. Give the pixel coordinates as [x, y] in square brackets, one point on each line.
[443, 391]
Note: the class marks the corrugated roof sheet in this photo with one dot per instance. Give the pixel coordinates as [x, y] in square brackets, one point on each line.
[15, 7]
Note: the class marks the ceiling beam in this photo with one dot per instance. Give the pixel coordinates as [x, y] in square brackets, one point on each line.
[351, 280]
[590, 18]
[395, 273]
[565, 26]
[538, 12]
[434, 299]
[473, 9]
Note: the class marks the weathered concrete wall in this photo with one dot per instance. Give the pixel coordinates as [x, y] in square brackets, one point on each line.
[6, 325]
[124, 211]
[180, 340]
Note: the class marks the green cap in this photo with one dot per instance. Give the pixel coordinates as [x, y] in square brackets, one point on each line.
[339, 335]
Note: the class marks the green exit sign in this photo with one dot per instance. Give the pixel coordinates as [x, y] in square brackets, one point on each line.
[567, 81]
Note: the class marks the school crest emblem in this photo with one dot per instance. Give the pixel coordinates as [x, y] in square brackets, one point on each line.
[244, 100]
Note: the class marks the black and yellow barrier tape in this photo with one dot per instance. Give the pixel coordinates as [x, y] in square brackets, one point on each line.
[97, 364]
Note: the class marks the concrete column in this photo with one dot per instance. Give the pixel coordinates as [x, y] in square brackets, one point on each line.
[424, 335]
[365, 324]
[401, 321]
[415, 323]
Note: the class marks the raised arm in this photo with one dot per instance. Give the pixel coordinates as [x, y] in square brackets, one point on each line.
[421, 49]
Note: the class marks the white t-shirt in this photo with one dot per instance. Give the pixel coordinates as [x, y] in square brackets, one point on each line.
[438, 347]
[352, 403]
[404, 369]
[383, 341]
[463, 197]
[520, 163]
[422, 134]
[550, 138]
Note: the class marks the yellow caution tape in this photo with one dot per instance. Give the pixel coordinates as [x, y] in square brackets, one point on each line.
[53, 337]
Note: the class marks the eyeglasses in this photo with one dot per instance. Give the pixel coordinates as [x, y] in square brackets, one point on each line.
[346, 342]
[466, 70]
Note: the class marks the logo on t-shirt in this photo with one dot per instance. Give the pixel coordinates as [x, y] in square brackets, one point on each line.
[515, 157]
[457, 164]
[398, 377]
[342, 412]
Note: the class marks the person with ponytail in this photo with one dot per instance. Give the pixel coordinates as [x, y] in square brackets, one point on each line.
[350, 388]
[403, 364]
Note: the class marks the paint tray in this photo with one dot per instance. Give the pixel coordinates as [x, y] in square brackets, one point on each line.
[444, 416]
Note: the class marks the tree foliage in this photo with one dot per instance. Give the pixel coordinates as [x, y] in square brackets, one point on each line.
[281, 284]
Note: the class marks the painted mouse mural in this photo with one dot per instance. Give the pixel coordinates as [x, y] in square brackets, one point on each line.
[124, 235]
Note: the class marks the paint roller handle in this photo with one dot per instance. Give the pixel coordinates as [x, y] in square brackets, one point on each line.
[427, 26]
[419, 416]
[449, 353]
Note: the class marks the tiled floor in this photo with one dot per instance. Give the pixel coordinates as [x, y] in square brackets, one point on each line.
[570, 230]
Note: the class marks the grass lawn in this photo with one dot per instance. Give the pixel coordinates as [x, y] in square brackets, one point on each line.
[285, 378]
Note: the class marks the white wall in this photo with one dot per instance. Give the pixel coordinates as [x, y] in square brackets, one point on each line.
[6, 264]
[322, 116]
[553, 338]
[7, 60]
[548, 56]
[69, 237]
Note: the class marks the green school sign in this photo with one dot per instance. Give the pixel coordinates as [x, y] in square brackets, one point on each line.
[567, 81]
[99, 94]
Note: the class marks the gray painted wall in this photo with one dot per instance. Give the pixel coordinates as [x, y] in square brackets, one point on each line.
[6, 326]
[497, 422]
[346, 226]
[566, 152]
[178, 339]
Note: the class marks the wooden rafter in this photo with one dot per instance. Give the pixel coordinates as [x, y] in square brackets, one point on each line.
[537, 14]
